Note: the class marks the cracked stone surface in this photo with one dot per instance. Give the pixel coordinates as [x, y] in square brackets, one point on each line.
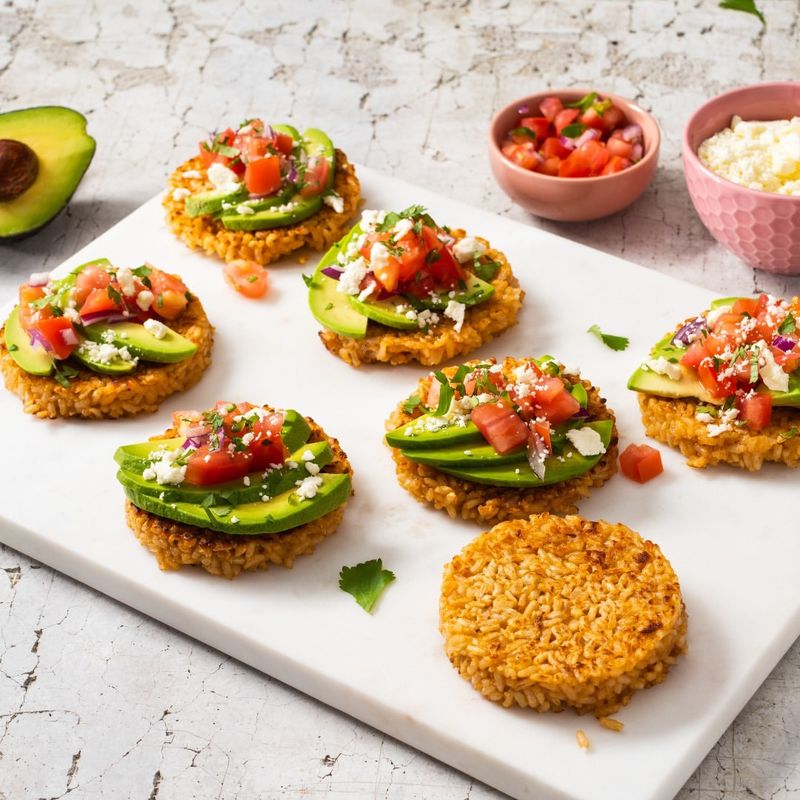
[97, 701]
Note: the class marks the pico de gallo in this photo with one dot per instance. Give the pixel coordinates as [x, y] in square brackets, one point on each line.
[524, 422]
[581, 139]
[404, 270]
[740, 359]
[79, 318]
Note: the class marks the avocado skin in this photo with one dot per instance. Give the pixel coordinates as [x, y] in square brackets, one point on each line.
[280, 514]
[34, 360]
[171, 348]
[233, 492]
[451, 435]
[58, 137]
[556, 471]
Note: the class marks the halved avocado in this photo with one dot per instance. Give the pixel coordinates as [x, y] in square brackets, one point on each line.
[32, 358]
[170, 348]
[57, 154]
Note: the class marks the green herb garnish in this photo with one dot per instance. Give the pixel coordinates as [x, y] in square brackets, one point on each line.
[308, 280]
[614, 342]
[574, 130]
[329, 306]
[411, 403]
[114, 295]
[365, 582]
[790, 434]
[523, 131]
[583, 104]
[748, 6]
[445, 394]
[789, 325]
[485, 270]
[12, 348]
[63, 373]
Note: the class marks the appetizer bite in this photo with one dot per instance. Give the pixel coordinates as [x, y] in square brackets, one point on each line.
[237, 487]
[725, 386]
[583, 139]
[401, 288]
[487, 441]
[554, 612]
[261, 192]
[103, 341]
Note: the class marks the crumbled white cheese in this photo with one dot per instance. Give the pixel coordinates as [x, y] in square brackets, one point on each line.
[455, 311]
[145, 299]
[350, 279]
[370, 219]
[715, 313]
[163, 468]
[246, 480]
[334, 201]
[245, 210]
[222, 178]
[72, 315]
[467, 248]
[248, 438]
[155, 328]
[411, 314]
[312, 468]
[367, 291]
[402, 227]
[426, 317]
[724, 422]
[771, 372]
[107, 336]
[308, 487]
[191, 173]
[307, 456]
[180, 193]
[586, 441]
[661, 366]
[234, 519]
[379, 256]
[126, 281]
[39, 278]
[105, 352]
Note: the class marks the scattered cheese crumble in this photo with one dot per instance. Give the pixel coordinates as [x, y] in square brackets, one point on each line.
[467, 248]
[163, 468]
[308, 487]
[455, 311]
[586, 441]
[661, 366]
[334, 201]
[155, 328]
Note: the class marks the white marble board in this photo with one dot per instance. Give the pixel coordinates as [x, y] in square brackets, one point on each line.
[724, 531]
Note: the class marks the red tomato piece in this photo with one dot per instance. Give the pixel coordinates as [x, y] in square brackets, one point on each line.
[550, 107]
[592, 119]
[446, 270]
[169, 292]
[596, 154]
[91, 277]
[284, 143]
[745, 305]
[412, 256]
[101, 300]
[561, 408]
[263, 175]
[205, 467]
[551, 166]
[552, 148]
[247, 277]
[756, 410]
[614, 118]
[523, 155]
[694, 355]
[267, 447]
[565, 117]
[617, 146]
[718, 386]
[542, 429]
[576, 165]
[640, 462]
[539, 125]
[316, 178]
[500, 426]
[615, 164]
[53, 330]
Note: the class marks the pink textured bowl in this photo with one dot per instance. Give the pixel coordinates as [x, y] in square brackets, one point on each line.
[572, 199]
[762, 228]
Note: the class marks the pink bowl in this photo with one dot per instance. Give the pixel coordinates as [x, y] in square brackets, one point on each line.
[762, 228]
[572, 199]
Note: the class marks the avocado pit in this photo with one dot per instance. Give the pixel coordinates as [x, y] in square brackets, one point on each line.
[19, 167]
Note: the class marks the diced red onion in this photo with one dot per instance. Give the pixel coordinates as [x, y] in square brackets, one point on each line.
[291, 175]
[332, 272]
[632, 133]
[69, 337]
[537, 453]
[581, 413]
[39, 279]
[103, 316]
[637, 152]
[587, 136]
[37, 338]
[268, 132]
[524, 110]
[567, 142]
[688, 333]
[783, 343]
[194, 441]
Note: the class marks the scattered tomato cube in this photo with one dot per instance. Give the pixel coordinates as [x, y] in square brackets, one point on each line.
[640, 462]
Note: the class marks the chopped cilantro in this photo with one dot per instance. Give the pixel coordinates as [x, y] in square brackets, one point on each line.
[12, 348]
[571, 131]
[57, 311]
[224, 150]
[789, 325]
[214, 419]
[411, 403]
[308, 280]
[445, 394]
[754, 368]
[748, 6]
[63, 373]
[252, 278]
[485, 270]
[790, 434]
[329, 306]
[523, 131]
[142, 272]
[432, 256]
[365, 582]
[582, 105]
[614, 342]
[114, 295]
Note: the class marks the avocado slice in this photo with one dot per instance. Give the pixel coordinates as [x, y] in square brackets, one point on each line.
[384, 311]
[170, 348]
[317, 144]
[289, 130]
[117, 366]
[282, 513]
[211, 202]
[38, 179]
[466, 455]
[521, 475]
[419, 435]
[475, 291]
[265, 203]
[233, 492]
[330, 307]
[32, 358]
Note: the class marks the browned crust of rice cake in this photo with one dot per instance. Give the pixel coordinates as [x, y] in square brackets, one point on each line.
[556, 612]
[441, 342]
[95, 396]
[484, 503]
[319, 231]
[176, 545]
[674, 423]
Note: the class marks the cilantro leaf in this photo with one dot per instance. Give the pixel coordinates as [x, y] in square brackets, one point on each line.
[485, 270]
[789, 325]
[571, 131]
[12, 348]
[583, 104]
[790, 434]
[411, 403]
[748, 6]
[445, 394]
[114, 295]
[308, 280]
[523, 131]
[614, 342]
[366, 582]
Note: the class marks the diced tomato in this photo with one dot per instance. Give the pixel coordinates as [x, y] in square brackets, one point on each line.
[597, 155]
[551, 166]
[27, 294]
[542, 430]
[445, 269]
[561, 408]
[756, 410]
[500, 426]
[539, 125]
[717, 386]
[316, 178]
[53, 330]
[523, 155]
[547, 389]
[640, 462]
[412, 256]
[550, 107]
[615, 164]
[205, 466]
[716, 343]
[694, 355]
[788, 361]
[101, 301]
[267, 446]
[617, 146]
[588, 160]
[745, 305]
[614, 118]
[591, 119]
[552, 148]
[248, 278]
[284, 143]
[565, 117]
[91, 277]
[263, 175]
[169, 292]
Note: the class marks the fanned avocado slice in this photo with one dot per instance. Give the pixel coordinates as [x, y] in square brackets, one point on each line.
[32, 358]
[44, 153]
[115, 366]
[171, 347]
[431, 431]
[286, 511]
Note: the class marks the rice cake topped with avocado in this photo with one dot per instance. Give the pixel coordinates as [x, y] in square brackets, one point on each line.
[724, 387]
[103, 341]
[554, 612]
[400, 288]
[261, 192]
[237, 487]
[489, 441]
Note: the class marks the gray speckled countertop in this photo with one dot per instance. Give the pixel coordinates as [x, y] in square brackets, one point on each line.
[97, 701]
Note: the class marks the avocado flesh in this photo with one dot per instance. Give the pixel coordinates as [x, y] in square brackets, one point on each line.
[384, 311]
[32, 358]
[211, 202]
[289, 130]
[474, 292]
[58, 137]
[135, 457]
[235, 492]
[466, 455]
[117, 366]
[279, 514]
[556, 470]
[263, 203]
[419, 437]
[170, 348]
[649, 382]
[317, 144]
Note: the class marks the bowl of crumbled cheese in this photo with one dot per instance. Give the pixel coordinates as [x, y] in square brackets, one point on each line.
[741, 156]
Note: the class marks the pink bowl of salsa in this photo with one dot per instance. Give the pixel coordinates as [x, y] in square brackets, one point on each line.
[624, 146]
